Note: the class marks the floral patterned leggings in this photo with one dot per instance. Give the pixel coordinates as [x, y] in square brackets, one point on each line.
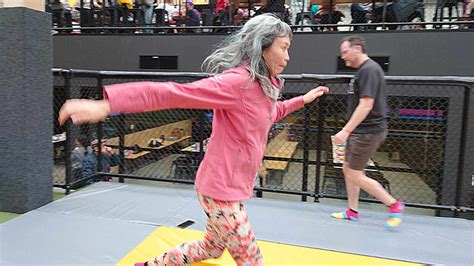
[227, 227]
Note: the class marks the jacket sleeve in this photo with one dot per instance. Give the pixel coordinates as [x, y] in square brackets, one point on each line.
[284, 108]
[114, 159]
[88, 166]
[219, 92]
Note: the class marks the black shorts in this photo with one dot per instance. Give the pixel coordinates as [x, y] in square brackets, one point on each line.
[361, 147]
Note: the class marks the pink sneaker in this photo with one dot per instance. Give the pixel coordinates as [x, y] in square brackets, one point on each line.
[140, 264]
[395, 215]
[348, 215]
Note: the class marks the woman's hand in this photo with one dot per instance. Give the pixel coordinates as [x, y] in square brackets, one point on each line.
[311, 95]
[84, 111]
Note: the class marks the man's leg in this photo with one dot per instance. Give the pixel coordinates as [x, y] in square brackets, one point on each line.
[357, 179]
[353, 190]
[360, 147]
[148, 18]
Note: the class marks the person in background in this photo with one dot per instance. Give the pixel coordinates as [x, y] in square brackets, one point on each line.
[244, 95]
[468, 14]
[193, 17]
[301, 16]
[468, 7]
[61, 10]
[87, 13]
[274, 6]
[127, 3]
[239, 17]
[147, 7]
[222, 18]
[313, 8]
[78, 155]
[365, 131]
[327, 14]
[220, 5]
[358, 15]
[109, 158]
[171, 11]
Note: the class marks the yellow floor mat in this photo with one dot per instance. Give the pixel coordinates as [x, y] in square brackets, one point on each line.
[165, 238]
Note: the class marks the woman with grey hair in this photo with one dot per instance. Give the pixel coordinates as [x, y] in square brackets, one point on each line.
[243, 93]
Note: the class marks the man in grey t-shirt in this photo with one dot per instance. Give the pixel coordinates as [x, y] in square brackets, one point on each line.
[368, 82]
[365, 130]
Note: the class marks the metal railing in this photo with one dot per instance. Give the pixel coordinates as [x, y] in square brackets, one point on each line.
[420, 162]
[386, 15]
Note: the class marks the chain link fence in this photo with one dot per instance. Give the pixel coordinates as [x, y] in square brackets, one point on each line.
[419, 162]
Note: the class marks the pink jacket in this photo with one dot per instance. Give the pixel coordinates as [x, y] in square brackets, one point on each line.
[243, 115]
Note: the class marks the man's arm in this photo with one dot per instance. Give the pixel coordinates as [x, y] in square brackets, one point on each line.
[360, 113]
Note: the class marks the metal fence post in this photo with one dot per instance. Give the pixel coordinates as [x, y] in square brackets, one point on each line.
[100, 131]
[69, 143]
[462, 149]
[121, 126]
[319, 147]
[306, 132]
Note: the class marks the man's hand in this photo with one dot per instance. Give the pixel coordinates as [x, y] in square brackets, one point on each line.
[341, 137]
[108, 150]
[84, 111]
[311, 95]
[360, 113]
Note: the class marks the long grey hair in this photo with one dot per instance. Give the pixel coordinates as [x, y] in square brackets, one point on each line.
[246, 47]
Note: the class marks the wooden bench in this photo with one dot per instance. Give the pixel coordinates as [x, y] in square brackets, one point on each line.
[286, 150]
[279, 147]
[142, 138]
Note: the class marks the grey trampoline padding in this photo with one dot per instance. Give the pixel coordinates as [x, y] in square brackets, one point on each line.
[49, 238]
[101, 224]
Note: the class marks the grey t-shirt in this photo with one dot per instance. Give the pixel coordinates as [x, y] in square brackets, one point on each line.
[369, 81]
